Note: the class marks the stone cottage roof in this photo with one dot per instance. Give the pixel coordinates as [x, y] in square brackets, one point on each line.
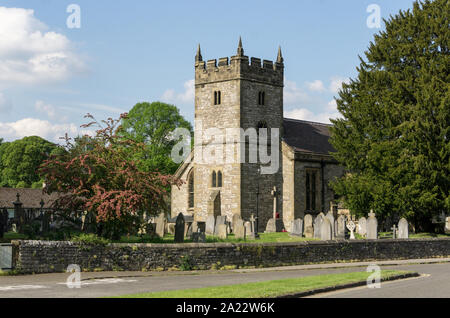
[30, 198]
[306, 136]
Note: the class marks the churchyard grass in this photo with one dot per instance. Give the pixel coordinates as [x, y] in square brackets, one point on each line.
[9, 236]
[264, 238]
[267, 289]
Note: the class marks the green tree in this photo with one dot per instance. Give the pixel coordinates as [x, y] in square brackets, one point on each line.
[97, 174]
[153, 124]
[395, 131]
[20, 159]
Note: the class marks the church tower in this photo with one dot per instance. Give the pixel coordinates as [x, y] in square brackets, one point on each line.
[236, 93]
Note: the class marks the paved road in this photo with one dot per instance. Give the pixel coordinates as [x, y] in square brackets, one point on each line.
[434, 283]
[106, 284]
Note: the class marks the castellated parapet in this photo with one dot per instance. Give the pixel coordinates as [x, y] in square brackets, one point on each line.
[239, 67]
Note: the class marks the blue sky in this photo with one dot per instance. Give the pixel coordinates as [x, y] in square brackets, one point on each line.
[131, 51]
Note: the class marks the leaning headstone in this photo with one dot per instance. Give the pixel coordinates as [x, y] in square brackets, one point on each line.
[308, 225]
[274, 226]
[221, 219]
[210, 224]
[239, 229]
[297, 227]
[330, 217]
[351, 227]
[318, 225]
[188, 229]
[362, 226]
[447, 225]
[222, 231]
[160, 225]
[179, 229]
[340, 227]
[403, 231]
[372, 227]
[14, 228]
[326, 230]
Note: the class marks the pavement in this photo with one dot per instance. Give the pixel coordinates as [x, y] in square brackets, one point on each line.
[434, 281]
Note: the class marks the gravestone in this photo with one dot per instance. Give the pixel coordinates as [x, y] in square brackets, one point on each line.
[403, 231]
[236, 217]
[362, 226]
[308, 225]
[198, 237]
[210, 225]
[239, 229]
[372, 227]
[222, 231]
[326, 230]
[194, 227]
[447, 225]
[170, 228]
[188, 229]
[318, 225]
[340, 227]
[351, 227]
[160, 225]
[221, 219]
[179, 229]
[248, 230]
[297, 227]
[330, 217]
[274, 226]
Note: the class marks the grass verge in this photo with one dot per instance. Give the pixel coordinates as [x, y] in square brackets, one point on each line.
[270, 289]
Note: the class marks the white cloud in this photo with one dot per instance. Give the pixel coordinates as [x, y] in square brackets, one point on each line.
[187, 97]
[316, 86]
[36, 127]
[294, 95]
[336, 84]
[305, 114]
[29, 53]
[48, 109]
[332, 105]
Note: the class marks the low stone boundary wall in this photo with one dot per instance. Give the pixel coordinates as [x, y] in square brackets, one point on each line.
[47, 257]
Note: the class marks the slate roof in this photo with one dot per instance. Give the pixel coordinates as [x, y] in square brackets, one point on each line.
[29, 197]
[306, 136]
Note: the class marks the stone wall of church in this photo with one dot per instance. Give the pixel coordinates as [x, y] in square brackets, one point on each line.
[289, 194]
[180, 196]
[294, 183]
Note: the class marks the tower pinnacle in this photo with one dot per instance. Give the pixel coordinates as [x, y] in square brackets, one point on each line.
[280, 56]
[198, 56]
[240, 50]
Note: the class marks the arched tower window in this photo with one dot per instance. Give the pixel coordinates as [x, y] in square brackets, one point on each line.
[261, 98]
[219, 179]
[214, 179]
[217, 97]
[191, 190]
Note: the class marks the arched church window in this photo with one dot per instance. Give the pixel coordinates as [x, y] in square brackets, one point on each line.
[262, 124]
[191, 190]
[311, 178]
[219, 179]
[261, 98]
[214, 179]
[217, 97]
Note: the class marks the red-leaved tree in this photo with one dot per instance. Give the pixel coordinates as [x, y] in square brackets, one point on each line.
[97, 175]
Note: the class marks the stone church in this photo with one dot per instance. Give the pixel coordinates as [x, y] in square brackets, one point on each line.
[244, 93]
